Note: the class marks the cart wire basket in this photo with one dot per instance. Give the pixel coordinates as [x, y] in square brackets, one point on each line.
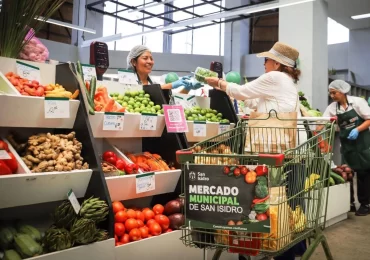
[298, 181]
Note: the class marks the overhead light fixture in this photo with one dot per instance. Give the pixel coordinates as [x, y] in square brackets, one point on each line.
[150, 5]
[248, 10]
[68, 25]
[361, 16]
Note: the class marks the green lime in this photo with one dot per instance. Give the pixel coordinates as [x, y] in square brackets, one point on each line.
[147, 95]
[157, 107]
[190, 118]
[131, 102]
[214, 111]
[151, 103]
[124, 104]
[141, 92]
[115, 98]
[126, 98]
[219, 115]
[128, 93]
[145, 102]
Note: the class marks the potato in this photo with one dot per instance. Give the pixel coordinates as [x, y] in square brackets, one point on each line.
[198, 148]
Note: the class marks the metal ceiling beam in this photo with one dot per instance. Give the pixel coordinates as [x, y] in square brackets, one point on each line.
[61, 17]
[152, 4]
[216, 5]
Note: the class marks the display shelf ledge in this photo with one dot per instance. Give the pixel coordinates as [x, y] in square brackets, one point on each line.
[124, 187]
[24, 111]
[96, 251]
[211, 131]
[131, 127]
[33, 188]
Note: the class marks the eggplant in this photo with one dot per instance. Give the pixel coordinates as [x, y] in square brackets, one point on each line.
[176, 221]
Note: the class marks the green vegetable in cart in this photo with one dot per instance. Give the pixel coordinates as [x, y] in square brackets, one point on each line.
[331, 181]
[57, 239]
[337, 178]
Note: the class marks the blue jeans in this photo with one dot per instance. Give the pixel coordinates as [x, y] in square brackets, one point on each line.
[298, 249]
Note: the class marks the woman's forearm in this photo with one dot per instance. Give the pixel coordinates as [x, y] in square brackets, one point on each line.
[166, 86]
[365, 125]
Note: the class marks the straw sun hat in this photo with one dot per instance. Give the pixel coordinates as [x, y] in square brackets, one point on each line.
[282, 53]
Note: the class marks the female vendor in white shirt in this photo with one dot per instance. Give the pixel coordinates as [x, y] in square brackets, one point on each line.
[276, 89]
[353, 115]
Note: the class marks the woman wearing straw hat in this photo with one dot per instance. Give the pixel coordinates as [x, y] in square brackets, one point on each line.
[353, 114]
[275, 90]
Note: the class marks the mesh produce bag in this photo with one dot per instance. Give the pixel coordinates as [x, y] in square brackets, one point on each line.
[34, 50]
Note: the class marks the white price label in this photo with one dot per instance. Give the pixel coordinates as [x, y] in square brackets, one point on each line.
[199, 129]
[127, 77]
[75, 204]
[148, 122]
[88, 71]
[27, 71]
[4, 155]
[191, 102]
[113, 121]
[56, 107]
[145, 182]
[222, 128]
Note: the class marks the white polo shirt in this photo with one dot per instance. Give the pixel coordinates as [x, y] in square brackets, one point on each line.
[358, 104]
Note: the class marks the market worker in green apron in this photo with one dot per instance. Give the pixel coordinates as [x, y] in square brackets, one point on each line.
[353, 115]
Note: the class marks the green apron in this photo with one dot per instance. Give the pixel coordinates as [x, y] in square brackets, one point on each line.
[356, 153]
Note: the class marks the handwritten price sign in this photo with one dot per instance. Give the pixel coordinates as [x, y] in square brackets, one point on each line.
[148, 122]
[28, 71]
[199, 129]
[126, 77]
[113, 121]
[222, 128]
[56, 107]
[145, 182]
[88, 71]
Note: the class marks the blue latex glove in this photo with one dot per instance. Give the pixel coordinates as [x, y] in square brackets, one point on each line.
[179, 83]
[191, 84]
[353, 134]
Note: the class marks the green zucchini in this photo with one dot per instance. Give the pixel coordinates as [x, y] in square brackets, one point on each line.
[336, 177]
[11, 255]
[6, 237]
[31, 231]
[92, 87]
[26, 246]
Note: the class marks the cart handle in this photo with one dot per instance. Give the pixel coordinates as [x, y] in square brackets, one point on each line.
[329, 119]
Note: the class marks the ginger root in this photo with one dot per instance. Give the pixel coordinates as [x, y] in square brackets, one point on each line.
[49, 152]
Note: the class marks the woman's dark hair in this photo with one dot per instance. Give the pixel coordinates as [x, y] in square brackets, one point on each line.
[293, 72]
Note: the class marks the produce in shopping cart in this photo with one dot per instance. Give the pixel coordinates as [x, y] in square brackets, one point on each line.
[344, 171]
[201, 73]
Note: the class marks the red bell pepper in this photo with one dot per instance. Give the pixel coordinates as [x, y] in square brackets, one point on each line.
[4, 169]
[11, 163]
[129, 169]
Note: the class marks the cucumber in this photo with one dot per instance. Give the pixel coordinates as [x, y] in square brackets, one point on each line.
[11, 255]
[92, 87]
[6, 237]
[26, 246]
[31, 231]
[336, 177]
[331, 181]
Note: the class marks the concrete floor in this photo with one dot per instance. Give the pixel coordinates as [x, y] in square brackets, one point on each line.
[348, 240]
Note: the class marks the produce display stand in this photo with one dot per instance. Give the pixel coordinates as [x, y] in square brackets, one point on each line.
[32, 197]
[297, 180]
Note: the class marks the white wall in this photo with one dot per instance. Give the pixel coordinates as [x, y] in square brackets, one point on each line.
[338, 56]
[60, 51]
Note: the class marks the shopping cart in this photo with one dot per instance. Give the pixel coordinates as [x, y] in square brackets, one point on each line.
[298, 180]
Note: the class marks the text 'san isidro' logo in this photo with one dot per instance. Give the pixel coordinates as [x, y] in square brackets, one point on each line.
[192, 176]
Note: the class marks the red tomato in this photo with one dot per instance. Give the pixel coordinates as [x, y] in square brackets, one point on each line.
[135, 234]
[120, 164]
[119, 244]
[150, 222]
[115, 238]
[130, 224]
[129, 169]
[131, 213]
[261, 170]
[244, 170]
[120, 217]
[145, 209]
[168, 230]
[149, 214]
[163, 221]
[140, 223]
[117, 206]
[119, 229]
[140, 215]
[111, 160]
[149, 235]
[158, 209]
[125, 239]
[108, 154]
[155, 229]
[144, 232]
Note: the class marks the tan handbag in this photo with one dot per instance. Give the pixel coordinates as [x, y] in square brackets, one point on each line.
[271, 132]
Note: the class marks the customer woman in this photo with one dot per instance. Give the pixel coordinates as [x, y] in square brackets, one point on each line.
[353, 115]
[141, 61]
[276, 89]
